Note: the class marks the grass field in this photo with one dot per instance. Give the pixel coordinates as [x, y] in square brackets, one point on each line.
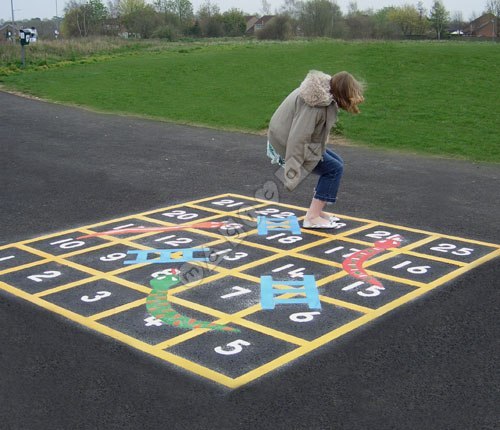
[426, 97]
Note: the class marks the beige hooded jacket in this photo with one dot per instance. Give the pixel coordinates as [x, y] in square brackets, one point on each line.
[300, 127]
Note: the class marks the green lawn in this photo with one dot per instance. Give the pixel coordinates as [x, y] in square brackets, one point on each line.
[428, 97]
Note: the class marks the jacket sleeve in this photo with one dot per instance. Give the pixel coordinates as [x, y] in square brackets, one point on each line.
[302, 155]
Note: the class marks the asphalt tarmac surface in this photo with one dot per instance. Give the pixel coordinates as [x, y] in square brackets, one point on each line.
[429, 364]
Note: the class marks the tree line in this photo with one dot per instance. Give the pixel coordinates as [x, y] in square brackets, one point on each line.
[173, 19]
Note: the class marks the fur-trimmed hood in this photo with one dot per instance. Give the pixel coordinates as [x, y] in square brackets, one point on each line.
[315, 89]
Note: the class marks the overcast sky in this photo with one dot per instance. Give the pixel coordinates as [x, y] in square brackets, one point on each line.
[25, 9]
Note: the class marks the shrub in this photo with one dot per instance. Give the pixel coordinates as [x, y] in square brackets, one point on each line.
[279, 28]
[165, 32]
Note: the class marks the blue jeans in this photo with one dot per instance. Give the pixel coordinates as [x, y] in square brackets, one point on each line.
[330, 170]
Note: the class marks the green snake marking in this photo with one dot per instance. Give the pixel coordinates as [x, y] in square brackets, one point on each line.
[158, 305]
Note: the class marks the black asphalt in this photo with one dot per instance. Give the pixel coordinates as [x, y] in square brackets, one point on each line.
[429, 364]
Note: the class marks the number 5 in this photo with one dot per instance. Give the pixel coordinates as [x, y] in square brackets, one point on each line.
[232, 347]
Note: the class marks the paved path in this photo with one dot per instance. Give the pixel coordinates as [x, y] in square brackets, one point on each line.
[428, 364]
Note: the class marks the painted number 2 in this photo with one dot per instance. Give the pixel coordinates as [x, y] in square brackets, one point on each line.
[232, 348]
[45, 275]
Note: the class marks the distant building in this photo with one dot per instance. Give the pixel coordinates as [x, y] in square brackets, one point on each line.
[259, 24]
[7, 32]
[250, 21]
[484, 26]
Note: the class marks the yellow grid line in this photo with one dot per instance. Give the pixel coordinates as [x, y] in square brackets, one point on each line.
[129, 340]
[237, 318]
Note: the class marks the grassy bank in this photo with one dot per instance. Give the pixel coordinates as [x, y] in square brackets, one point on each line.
[428, 97]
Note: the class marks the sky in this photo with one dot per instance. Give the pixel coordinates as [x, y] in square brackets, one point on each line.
[26, 9]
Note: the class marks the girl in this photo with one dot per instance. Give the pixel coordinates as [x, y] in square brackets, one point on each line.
[299, 131]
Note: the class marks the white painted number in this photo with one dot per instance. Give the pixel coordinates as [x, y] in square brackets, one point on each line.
[303, 316]
[372, 291]
[339, 248]
[99, 295]
[239, 291]
[175, 242]
[383, 235]
[232, 348]
[447, 247]
[420, 270]
[228, 203]
[113, 257]
[286, 239]
[180, 214]
[214, 256]
[68, 243]
[232, 226]
[297, 273]
[46, 275]
[163, 273]
[124, 226]
[275, 213]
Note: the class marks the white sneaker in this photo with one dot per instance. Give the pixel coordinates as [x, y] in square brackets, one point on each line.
[318, 222]
[331, 218]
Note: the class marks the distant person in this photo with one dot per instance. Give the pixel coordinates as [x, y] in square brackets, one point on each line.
[298, 135]
[8, 34]
[56, 33]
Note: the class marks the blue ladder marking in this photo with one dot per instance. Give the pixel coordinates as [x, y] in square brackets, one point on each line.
[165, 255]
[290, 223]
[268, 292]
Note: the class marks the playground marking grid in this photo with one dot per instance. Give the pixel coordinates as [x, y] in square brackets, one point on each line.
[87, 281]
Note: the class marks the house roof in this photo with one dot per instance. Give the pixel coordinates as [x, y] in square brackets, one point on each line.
[263, 20]
[6, 25]
[480, 22]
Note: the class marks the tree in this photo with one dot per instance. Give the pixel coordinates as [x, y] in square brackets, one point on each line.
[361, 24]
[493, 6]
[210, 20]
[278, 28]
[439, 18]
[320, 18]
[170, 17]
[183, 9]
[407, 18]
[266, 7]
[457, 21]
[113, 8]
[234, 23]
[384, 27]
[126, 7]
[292, 8]
[423, 23]
[82, 19]
[142, 22]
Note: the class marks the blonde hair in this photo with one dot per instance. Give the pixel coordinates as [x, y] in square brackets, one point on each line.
[347, 91]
